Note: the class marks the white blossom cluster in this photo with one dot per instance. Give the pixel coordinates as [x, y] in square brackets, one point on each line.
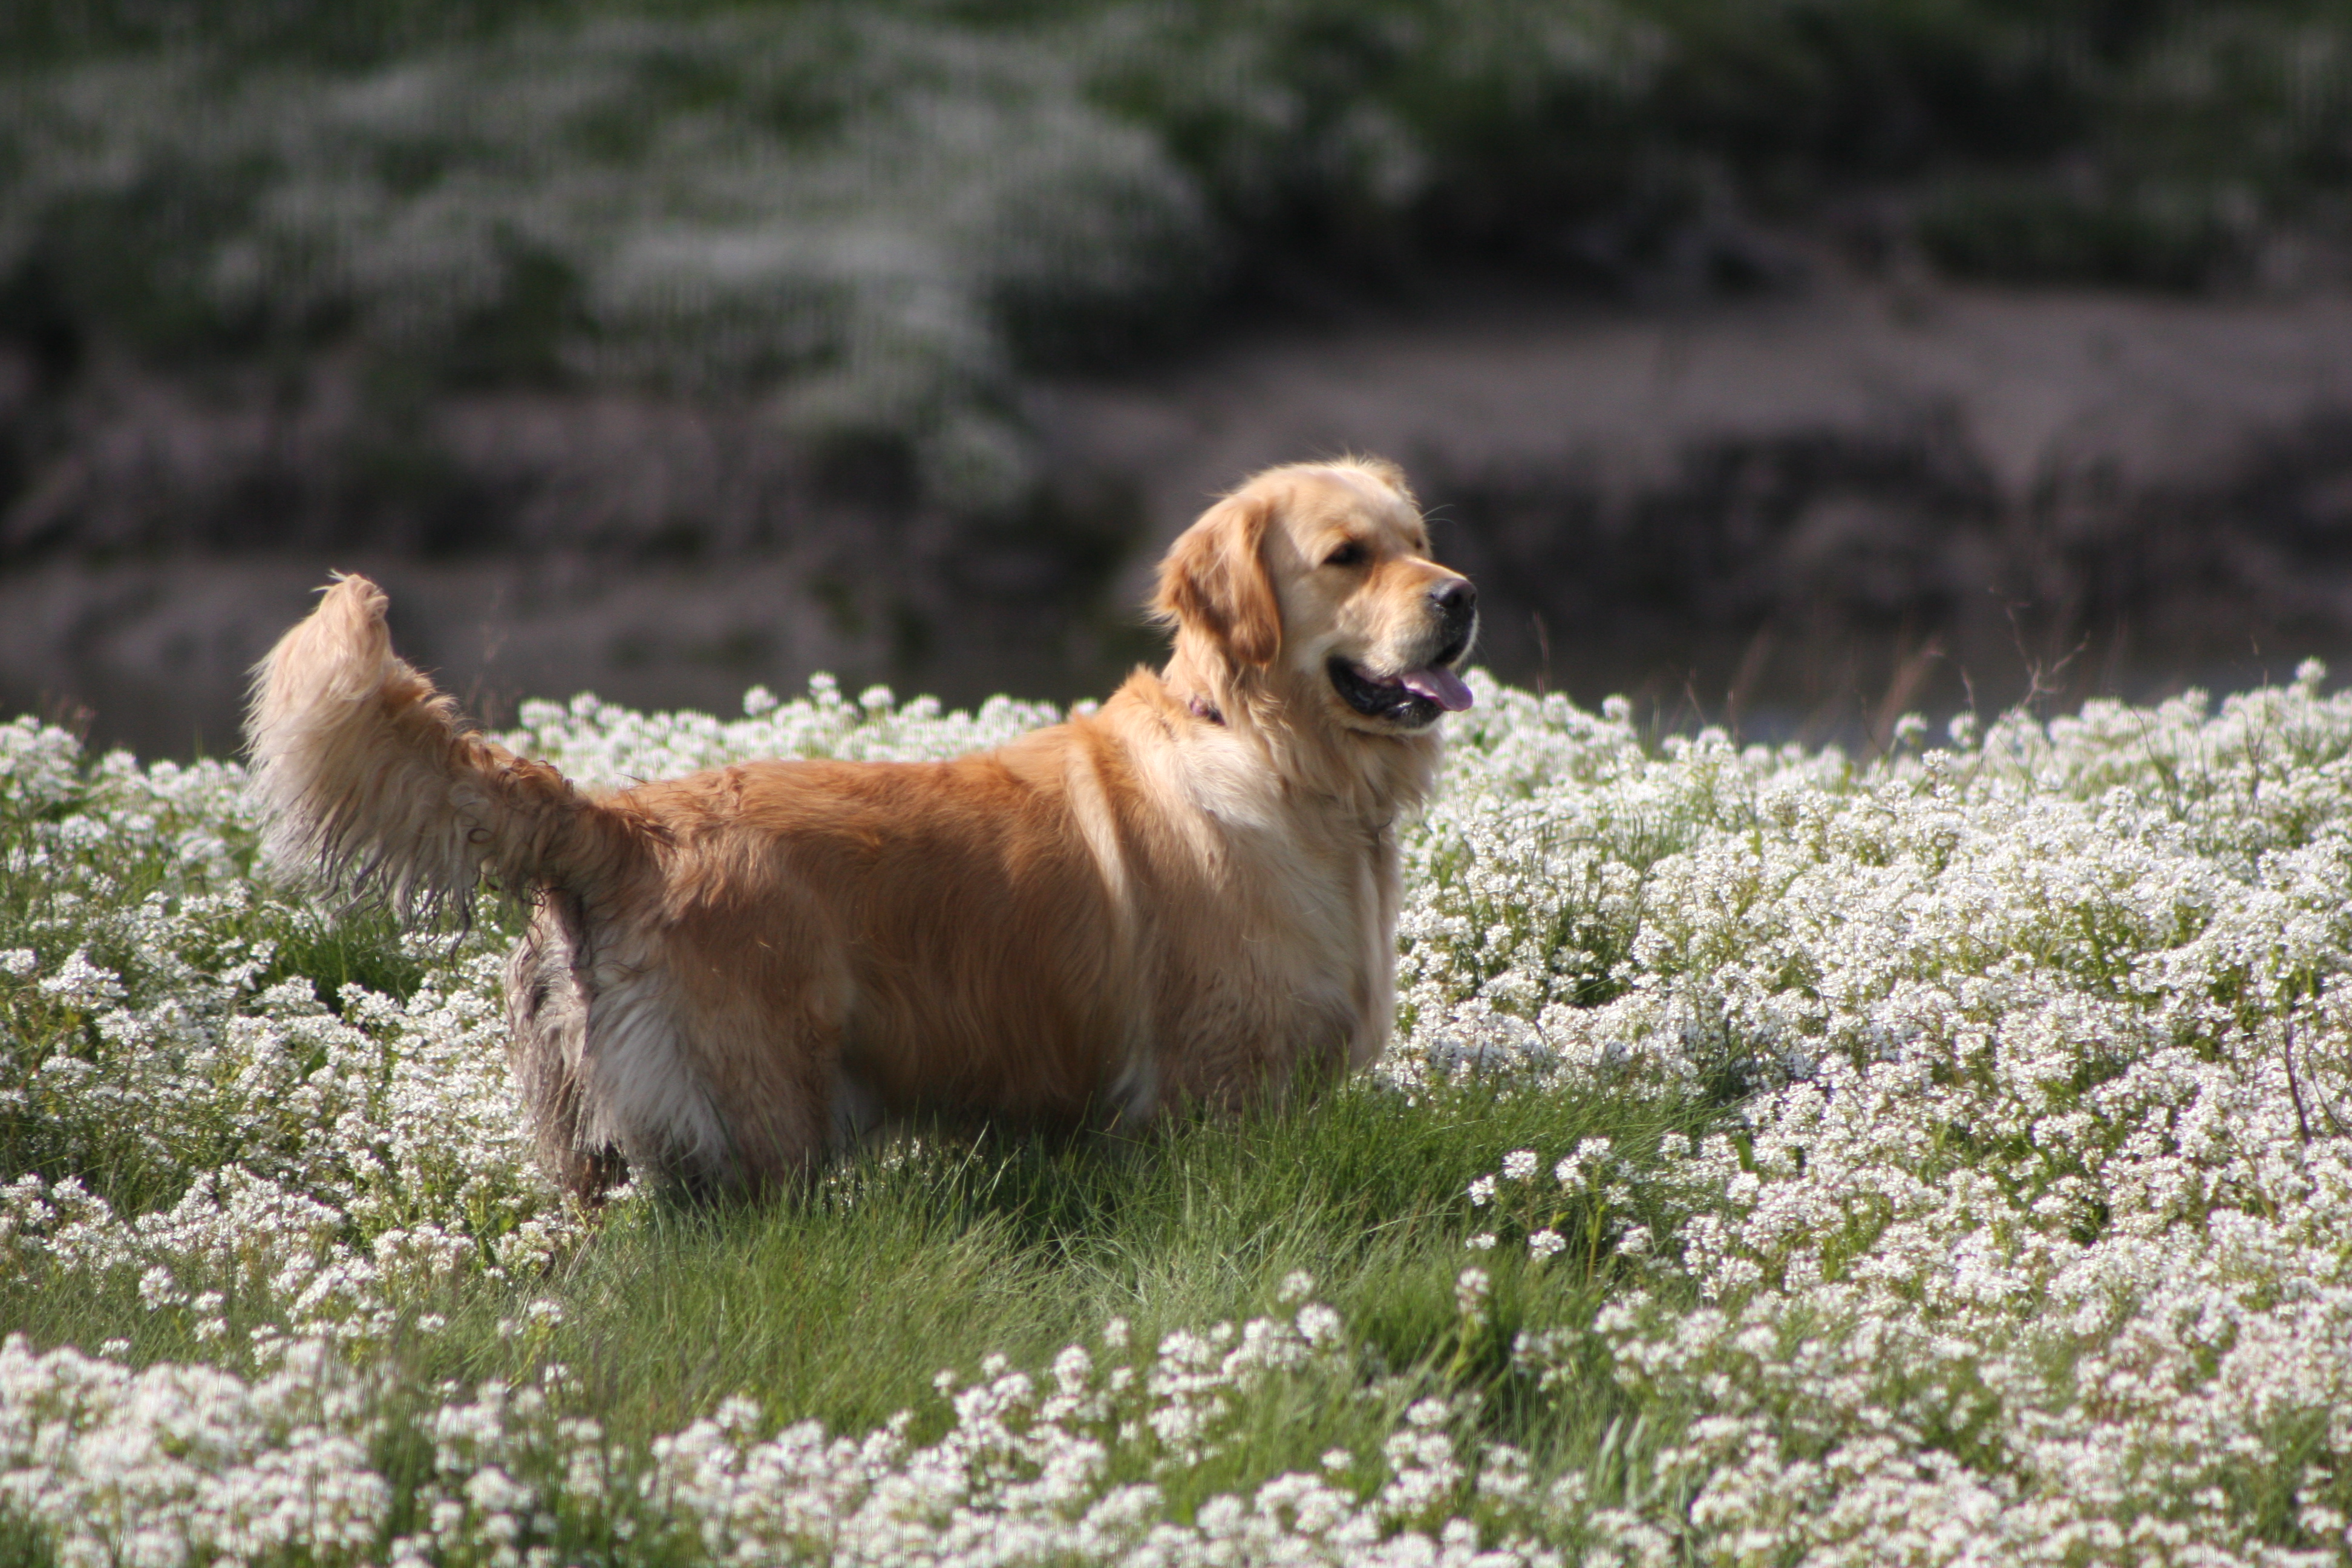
[2019, 1234]
[2027, 1239]
[227, 1127]
[839, 199]
[182, 1464]
[603, 745]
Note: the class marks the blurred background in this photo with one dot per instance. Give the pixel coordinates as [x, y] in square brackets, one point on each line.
[1788, 364]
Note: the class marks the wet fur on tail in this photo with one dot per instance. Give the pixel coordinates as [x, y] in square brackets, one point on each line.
[366, 774]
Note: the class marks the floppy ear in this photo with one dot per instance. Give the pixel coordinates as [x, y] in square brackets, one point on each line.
[1213, 579]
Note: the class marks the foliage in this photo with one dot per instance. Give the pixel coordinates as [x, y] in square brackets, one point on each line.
[1943, 1156]
[882, 218]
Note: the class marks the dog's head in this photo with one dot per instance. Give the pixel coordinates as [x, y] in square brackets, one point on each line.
[1314, 582]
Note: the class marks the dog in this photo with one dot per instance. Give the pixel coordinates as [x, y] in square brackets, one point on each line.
[1187, 898]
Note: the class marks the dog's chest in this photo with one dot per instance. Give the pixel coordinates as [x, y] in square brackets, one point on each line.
[1300, 935]
[1318, 901]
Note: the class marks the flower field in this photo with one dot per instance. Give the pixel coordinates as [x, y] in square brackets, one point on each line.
[1784, 1157]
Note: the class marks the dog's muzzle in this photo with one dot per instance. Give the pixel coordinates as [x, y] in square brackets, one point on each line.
[1415, 697]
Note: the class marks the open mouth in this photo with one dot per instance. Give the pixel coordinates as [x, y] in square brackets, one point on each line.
[1411, 697]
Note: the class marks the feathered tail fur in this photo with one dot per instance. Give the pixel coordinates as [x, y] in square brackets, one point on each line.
[365, 771]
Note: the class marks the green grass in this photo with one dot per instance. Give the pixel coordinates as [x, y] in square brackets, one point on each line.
[931, 1254]
[845, 1305]
[2027, 1224]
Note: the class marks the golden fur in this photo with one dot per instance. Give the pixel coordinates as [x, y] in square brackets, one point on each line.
[1188, 896]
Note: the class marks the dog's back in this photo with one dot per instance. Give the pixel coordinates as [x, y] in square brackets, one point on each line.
[935, 931]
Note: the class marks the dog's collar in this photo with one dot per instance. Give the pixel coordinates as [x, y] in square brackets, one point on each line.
[1202, 708]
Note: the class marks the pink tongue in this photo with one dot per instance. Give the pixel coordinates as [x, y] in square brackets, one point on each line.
[1442, 687]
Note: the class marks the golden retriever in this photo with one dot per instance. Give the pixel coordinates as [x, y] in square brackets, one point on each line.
[1187, 897]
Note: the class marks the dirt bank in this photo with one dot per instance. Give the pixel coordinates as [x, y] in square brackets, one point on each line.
[1789, 503]
[1804, 513]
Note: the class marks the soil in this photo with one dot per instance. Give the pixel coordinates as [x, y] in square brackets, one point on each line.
[1806, 515]
[1800, 515]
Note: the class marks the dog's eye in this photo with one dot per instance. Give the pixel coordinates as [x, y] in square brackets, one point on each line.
[1349, 554]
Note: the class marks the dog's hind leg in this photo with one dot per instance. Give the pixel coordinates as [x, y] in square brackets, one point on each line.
[547, 1029]
[626, 1064]
[775, 1074]
[761, 997]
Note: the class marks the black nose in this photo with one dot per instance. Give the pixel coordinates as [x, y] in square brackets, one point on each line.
[1456, 599]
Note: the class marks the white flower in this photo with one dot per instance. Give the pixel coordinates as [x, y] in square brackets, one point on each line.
[2046, 1040]
[1319, 1324]
[79, 983]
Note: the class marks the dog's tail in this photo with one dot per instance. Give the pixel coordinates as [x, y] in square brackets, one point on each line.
[365, 771]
